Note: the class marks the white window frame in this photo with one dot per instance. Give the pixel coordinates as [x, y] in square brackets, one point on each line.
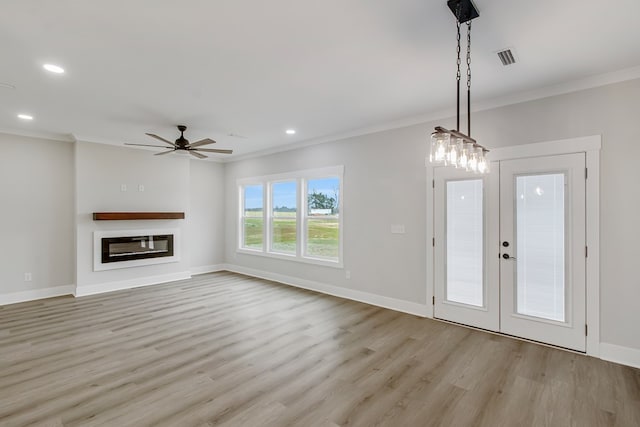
[242, 217]
[301, 178]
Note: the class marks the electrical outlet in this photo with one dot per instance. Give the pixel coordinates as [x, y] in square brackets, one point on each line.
[347, 274]
[27, 277]
[141, 188]
[123, 187]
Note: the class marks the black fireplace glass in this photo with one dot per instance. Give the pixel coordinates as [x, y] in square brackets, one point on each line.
[117, 249]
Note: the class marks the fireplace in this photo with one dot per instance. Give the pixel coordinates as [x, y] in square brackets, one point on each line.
[134, 248]
[118, 249]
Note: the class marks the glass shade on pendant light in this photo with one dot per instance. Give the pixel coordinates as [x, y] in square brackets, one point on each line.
[453, 152]
[452, 148]
[439, 148]
[463, 154]
[472, 163]
[483, 163]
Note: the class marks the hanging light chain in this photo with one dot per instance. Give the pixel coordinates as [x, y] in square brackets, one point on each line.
[469, 78]
[469, 55]
[458, 62]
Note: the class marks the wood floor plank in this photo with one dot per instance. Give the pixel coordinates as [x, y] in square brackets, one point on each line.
[226, 349]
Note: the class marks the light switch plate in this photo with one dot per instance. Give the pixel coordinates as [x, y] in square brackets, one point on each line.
[397, 228]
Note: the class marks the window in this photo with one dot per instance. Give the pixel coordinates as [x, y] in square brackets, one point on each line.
[252, 217]
[284, 206]
[322, 220]
[294, 216]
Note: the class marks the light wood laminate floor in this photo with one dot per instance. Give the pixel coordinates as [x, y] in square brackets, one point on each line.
[225, 349]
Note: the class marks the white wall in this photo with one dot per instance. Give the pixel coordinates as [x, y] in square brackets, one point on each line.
[50, 190]
[206, 215]
[384, 184]
[100, 172]
[611, 111]
[36, 216]
[173, 183]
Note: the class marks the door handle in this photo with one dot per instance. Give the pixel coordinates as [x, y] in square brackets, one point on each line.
[506, 256]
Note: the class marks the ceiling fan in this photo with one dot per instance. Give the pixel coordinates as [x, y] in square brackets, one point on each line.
[183, 144]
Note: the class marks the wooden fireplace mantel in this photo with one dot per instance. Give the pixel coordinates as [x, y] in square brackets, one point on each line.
[120, 216]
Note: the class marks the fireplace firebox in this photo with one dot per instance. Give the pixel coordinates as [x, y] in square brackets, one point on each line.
[135, 248]
[118, 249]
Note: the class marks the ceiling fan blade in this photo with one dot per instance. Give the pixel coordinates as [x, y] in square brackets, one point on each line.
[145, 145]
[164, 152]
[215, 150]
[196, 154]
[160, 139]
[202, 142]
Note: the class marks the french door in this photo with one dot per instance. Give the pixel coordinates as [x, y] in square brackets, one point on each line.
[467, 280]
[510, 248]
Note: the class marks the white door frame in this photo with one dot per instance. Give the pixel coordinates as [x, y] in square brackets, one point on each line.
[590, 145]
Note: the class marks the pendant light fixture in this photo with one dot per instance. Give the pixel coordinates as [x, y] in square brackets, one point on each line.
[452, 147]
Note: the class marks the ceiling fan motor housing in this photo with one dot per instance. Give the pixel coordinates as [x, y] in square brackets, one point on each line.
[182, 142]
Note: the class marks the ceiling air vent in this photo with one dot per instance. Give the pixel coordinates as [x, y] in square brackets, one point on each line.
[506, 57]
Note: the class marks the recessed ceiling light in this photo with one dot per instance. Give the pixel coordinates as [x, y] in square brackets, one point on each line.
[53, 68]
[25, 117]
[290, 131]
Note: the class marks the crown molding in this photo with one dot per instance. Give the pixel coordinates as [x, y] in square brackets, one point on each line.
[516, 98]
[585, 83]
[39, 135]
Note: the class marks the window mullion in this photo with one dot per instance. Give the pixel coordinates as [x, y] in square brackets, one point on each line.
[300, 214]
[266, 216]
[242, 226]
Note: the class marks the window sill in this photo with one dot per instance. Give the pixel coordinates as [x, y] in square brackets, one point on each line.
[294, 258]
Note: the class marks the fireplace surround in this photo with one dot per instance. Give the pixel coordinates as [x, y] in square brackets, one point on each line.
[115, 249]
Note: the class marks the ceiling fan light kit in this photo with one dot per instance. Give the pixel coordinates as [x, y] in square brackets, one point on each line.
[183, 144]
[452, 147]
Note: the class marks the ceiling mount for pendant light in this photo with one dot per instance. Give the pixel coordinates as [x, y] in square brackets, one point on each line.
[463, 10]
[452, 147]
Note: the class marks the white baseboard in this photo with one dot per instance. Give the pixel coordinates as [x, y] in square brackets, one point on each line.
[100, 288]
[36, 294]
[618, 354]
[352, 294]
[207, 269]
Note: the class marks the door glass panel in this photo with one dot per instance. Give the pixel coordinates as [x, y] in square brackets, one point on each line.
[540, 250]
[464, 241]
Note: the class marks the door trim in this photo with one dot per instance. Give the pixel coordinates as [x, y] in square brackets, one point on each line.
[590, 145]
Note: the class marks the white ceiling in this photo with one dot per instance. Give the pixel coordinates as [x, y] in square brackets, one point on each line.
[255, 68]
